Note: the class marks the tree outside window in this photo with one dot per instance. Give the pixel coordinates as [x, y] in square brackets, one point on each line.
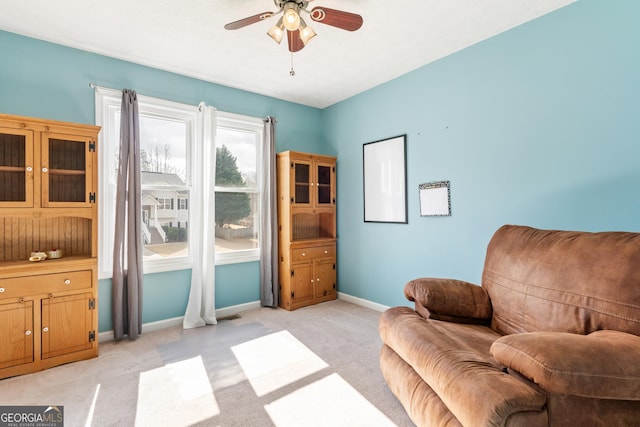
[236, 190]
[230, 207]
[169, 175]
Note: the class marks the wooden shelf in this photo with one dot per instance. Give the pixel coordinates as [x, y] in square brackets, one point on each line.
[11, 268]
[307, 229]
[48, 308]
[12, 169]
[67, 172]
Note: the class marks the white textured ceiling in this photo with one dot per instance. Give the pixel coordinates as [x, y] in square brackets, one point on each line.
[187, 37]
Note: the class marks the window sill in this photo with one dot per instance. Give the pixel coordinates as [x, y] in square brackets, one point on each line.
[237, 257]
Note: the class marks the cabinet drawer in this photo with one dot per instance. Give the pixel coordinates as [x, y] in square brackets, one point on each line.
[30, 285]
[305, 254]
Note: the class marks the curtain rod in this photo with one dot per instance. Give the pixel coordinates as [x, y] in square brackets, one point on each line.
[92, 85]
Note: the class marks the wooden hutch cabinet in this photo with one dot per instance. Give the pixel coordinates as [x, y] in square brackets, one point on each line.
[307, 228]
[48, 182]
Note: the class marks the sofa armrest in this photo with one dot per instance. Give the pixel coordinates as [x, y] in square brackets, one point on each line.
[449, 300]
[602, 365]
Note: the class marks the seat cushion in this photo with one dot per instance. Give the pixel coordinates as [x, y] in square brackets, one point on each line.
[423, 406]
[602, 365]
[454, 360]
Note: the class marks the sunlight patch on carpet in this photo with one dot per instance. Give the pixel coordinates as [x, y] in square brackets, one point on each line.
[92, 408]
[276, 360]
[177, 394]
[330, 401]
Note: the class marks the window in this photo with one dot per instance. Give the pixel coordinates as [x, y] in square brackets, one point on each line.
[167, 146]
[170, 145]
[164, 204]
[237, 187]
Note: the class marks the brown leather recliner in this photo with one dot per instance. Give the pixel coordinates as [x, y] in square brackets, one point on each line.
[551, 338]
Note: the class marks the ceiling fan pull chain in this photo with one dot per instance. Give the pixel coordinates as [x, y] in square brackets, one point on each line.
[292, 72]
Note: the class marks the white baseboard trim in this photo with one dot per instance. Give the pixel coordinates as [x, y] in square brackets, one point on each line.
[146, 327]
[177, 321]
[221, 313]
[362, 302]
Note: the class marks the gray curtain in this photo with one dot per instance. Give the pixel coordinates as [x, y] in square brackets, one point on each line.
[269, 238]
[127, 247]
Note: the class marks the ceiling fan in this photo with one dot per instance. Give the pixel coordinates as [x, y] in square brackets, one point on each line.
[298, 32]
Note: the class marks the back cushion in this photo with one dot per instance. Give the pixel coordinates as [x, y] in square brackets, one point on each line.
[563, 281]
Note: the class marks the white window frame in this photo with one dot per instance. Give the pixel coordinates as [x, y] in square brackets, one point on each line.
[162, 203]
[107, 103]
[244, 123]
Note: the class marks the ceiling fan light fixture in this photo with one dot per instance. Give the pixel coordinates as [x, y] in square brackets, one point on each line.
[306, 32]
[277, 32]
[291, 17]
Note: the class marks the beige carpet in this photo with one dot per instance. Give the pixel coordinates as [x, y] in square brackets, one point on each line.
[316, 366]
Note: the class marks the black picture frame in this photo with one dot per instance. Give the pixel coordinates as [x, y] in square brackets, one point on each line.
[385, 180]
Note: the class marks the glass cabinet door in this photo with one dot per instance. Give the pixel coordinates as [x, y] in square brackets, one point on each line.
[16, 168]
[313, 183]
[302, 183]
[66, 171]
[324, 187]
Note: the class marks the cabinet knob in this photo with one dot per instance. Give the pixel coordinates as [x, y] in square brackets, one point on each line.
[311, 280]
[1, 290]
[67, 282]
[45, 329]
[318, 279]
[27, 333]
[326, 252]
[29, 169]
[45, 170]
[304, 254]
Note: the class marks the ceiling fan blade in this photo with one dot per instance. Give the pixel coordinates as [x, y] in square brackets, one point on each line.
[295, 42]
[248, 21]
[337, 18]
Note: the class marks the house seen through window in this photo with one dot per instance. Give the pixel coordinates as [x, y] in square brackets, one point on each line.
[169, 170]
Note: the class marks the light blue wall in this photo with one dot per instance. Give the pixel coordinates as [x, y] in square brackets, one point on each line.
[535, 126]
[165, 294]
[46, 80]
[538, 126]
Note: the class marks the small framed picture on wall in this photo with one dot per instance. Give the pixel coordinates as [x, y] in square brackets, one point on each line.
[435, 198]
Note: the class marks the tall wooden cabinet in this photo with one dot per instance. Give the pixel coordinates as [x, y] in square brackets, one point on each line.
[48, 183]
[307, 228]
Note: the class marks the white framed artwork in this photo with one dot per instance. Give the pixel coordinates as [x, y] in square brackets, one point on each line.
[385, 180]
